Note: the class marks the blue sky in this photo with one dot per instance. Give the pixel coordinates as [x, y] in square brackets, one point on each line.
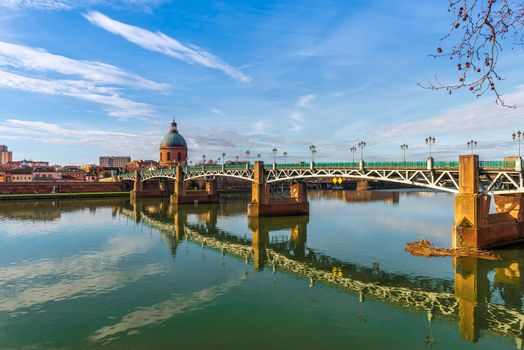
[84, 78]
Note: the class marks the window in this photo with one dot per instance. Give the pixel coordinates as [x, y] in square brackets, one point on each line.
[168, 155]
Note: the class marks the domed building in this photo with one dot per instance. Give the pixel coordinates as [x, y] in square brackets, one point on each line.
[173, 148]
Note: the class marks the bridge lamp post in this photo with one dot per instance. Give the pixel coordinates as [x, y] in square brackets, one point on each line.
[285, 157]
[472, 144]
[313, 150]
[404, 148]
[274, 155]
[258, 157]
[237, 158]
[223, 158]
[518, 136]
[203, 159]
[247, 156]
[361, 145]
[430, 141]
[353, 149]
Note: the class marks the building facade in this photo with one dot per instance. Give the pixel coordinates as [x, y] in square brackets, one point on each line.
[46, 174]
[19, 175]
[173, 148]
[114, 161]
[6, 156]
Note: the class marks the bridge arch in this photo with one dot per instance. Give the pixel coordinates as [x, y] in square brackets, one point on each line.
[370, 178]
[235, 176]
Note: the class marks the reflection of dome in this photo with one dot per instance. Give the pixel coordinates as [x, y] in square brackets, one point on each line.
[173, 138]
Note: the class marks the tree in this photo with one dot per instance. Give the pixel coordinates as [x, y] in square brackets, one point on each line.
[479, 30]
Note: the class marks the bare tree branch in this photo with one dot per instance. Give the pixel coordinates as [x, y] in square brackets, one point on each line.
[480, 27]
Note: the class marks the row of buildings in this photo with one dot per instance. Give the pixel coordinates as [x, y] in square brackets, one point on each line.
[173, 151]
[47, 174]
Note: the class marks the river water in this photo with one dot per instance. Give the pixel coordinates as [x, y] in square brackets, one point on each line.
[117, 274]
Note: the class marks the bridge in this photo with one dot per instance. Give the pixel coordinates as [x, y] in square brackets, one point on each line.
[473, 182]
[464, 301]
[495, 177]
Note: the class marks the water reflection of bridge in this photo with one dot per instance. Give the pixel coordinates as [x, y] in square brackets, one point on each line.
[468, 297]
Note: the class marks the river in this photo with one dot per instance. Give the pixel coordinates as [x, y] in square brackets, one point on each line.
[116, 274]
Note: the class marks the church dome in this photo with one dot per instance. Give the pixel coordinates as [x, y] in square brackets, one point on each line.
[173, 138]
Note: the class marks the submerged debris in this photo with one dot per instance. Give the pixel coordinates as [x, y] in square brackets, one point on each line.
[425, 248]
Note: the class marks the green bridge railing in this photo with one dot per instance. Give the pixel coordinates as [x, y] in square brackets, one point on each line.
[451, 165]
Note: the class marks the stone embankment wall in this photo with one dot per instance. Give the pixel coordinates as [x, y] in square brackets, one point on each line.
[59, 187]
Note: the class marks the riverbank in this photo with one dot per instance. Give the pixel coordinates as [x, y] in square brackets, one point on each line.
[71, 195]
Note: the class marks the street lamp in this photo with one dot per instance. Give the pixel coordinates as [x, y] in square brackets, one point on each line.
[247, 155]
[472, 144]
[518, 137]
[237, 158]
[430, 141]
[218, 160]
[361, 145]
[313, 150]
[404, 148]
[258, 157]
[285, 157]
[203, 159]
[274, 155]
[223, 158]
[353, 149]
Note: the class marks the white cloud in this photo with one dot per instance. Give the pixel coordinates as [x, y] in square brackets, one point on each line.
[296, 120]
[116, 105]
[18, 56]
[87, 80]
[305, 101]
[36, 4]
[260, 125]
[43, 132]
[159, 42]
[465, 120]
[56, 5]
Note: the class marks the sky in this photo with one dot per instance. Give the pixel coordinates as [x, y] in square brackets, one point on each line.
[85, 78]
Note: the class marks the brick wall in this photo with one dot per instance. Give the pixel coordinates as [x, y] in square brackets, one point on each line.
[61, 187]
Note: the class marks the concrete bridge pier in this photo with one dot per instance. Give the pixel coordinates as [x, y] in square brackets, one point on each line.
[362, 185]
[164, 188]
[180, 195]
[138, 186]
[474, 227]
[140, 191]
[262, 205]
